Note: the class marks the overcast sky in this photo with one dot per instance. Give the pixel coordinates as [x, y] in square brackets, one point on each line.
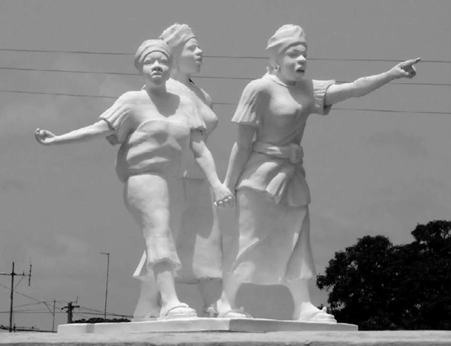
[370, 172]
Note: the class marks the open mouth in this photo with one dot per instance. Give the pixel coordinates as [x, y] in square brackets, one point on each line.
[300, 70]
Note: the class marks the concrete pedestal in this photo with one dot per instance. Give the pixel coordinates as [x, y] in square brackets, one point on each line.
[253, 325]
[320, 338]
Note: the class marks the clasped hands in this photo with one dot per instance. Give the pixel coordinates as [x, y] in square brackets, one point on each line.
[223, 196]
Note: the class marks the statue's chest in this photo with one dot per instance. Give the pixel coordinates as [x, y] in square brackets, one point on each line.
[286, 108]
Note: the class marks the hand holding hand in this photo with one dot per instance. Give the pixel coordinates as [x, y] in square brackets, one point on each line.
[405, 69]
[44, 137]
[223, 197]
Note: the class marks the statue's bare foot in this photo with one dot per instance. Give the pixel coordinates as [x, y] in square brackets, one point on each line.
[210, 311]
[147, 316]
[234, 314]
[310, 313]
[146, 309]
[180, 310]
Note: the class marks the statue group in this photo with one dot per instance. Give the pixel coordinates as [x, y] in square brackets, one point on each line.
[172, 190]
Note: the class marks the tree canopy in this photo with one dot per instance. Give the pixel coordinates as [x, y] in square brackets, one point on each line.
[378, 285]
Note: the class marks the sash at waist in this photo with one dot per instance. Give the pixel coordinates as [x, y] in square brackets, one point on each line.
[282, 179]
[293, 152]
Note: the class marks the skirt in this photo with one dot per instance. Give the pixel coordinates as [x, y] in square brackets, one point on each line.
[198, 239]
[274, 240]
[156, 203]
[199, 243]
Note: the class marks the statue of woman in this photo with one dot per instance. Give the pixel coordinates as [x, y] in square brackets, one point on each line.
[155, 129]
[199, 242]
[266, 171]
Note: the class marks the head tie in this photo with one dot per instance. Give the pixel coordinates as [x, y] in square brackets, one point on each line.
[285, 37]
[148, 47]
[176, 36]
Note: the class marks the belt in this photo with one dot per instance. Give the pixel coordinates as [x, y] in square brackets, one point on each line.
[293, 152]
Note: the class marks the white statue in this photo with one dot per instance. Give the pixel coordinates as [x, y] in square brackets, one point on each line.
[199, 242]
[266, 171]
[155, 130]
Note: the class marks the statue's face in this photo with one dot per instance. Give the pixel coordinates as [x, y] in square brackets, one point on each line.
[293, 63]
[190, 59]
[156, 68]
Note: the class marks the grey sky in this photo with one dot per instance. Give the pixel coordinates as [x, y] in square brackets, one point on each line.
[369, 172]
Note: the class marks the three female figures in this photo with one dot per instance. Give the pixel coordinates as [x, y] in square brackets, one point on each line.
[265, 169]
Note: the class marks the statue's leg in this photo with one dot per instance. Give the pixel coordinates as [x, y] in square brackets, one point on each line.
[301, 270]
[199, 244]
[304, 310]
[210, 291]
[149, 302]
[156, 203]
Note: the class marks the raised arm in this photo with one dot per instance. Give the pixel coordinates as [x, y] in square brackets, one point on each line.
[99, 129]
[205, 160]
[363, 86]
[239, 155]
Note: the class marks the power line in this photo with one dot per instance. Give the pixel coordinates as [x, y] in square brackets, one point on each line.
[359, 109]
[224, 103]
[209, 56]
[57, 94]
[37, 300]
[196, 77]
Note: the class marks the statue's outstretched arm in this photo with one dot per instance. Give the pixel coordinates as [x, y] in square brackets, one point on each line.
[363, 86]
[239, 155]
[99, 129]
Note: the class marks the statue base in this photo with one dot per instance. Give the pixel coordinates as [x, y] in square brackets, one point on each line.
[252, 325]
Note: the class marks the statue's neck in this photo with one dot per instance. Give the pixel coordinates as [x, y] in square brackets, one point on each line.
[183, 78]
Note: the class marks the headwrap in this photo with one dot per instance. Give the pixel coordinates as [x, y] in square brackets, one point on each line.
[176, 36]
[148, 47]
[285, 37]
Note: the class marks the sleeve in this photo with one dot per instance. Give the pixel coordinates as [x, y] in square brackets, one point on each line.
[250, 103]
[195, 121]
[319, 94]
[118, 120]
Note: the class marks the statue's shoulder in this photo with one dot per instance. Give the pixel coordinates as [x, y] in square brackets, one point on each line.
[185, 101]
[202, 94]
[258, 86]
[175, 86]
[131, 97]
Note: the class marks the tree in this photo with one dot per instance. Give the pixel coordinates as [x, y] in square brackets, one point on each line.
[381, 286]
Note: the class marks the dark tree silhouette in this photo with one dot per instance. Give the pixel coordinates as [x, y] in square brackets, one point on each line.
[381, 286]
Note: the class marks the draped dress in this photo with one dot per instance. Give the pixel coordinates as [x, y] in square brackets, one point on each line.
[199, 241]
[272, 193]
[154, 142]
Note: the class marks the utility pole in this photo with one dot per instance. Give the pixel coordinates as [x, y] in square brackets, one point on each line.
[107, 272]
[70, 308]
[11, 307]
[53, 321]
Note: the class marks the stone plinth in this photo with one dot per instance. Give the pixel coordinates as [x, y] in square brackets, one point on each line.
[253, 325]
[320, 338]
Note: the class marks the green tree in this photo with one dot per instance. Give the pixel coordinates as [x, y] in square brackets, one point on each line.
[377, 285]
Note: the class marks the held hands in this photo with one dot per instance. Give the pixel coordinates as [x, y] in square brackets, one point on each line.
[405, 69]
[44, 137]
[223, 196]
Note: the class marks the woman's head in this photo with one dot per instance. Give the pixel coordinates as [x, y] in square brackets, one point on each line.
[183, 42]
[153, 59]
[287, 50]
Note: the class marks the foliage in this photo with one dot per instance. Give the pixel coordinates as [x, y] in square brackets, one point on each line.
[378, 285]
[101, 320]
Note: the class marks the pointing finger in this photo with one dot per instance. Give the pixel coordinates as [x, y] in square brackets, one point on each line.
[412, 61]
